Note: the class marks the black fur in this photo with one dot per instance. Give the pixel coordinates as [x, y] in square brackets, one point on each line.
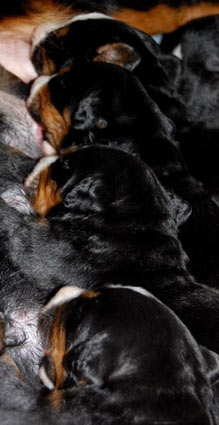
[115, 224]
[103, 111]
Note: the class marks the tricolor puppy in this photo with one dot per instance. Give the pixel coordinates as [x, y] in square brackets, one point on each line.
[111, 107]
[103, 216]
[23, 22]
[103, 39]
[110, 355]
[121, 356]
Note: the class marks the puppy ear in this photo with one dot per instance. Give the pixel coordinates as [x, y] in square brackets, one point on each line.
[181, 209]
[118, 54]
[92, 194]
[87, 115]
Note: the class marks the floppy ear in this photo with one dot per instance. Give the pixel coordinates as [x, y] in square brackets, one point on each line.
[88, 115]
[92, 194]
[118, 54]
[181, 209]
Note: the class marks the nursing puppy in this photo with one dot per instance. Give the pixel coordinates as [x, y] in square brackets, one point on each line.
[106, 40]
[105, 217]
[111, 353]
[20, 22]
[105, 358]
[110, 107]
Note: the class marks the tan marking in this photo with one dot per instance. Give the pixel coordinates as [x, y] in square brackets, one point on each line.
[49, 117]
[8, 360]
[48, 67]
[63, 31]
[70, 150]
[57, 349]
[90, 294]
[55, 398]
[47, 196]
[82, 382]
[65, 69]
[163, 18]
[116, 53]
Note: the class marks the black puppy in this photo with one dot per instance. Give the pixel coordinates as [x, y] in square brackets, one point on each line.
[107, 218]
[199, 89]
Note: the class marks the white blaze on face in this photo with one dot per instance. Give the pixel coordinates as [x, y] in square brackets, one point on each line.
[65, 294]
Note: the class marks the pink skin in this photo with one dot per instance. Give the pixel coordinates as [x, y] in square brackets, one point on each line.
[15, 57]
[15, 54]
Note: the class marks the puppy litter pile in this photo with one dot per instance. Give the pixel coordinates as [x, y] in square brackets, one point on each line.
[109, 225]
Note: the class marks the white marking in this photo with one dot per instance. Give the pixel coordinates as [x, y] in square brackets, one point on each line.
[47, 149]
[138, 289]
[45, 379]
[64, 295]
[41, 165]
[37, 85]
[92, 15]
[43, 30]
[177, 51]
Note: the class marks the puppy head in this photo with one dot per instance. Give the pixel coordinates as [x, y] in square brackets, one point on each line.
[98, 38]
[104, 39]
[101, 110]
[105, 339]
[104, 182]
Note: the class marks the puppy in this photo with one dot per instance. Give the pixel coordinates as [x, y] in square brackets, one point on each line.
[109, 346]
[23, 23]
[107, 40]
[102, 110]
[106, 218]
[104, 361]
[199, 90]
